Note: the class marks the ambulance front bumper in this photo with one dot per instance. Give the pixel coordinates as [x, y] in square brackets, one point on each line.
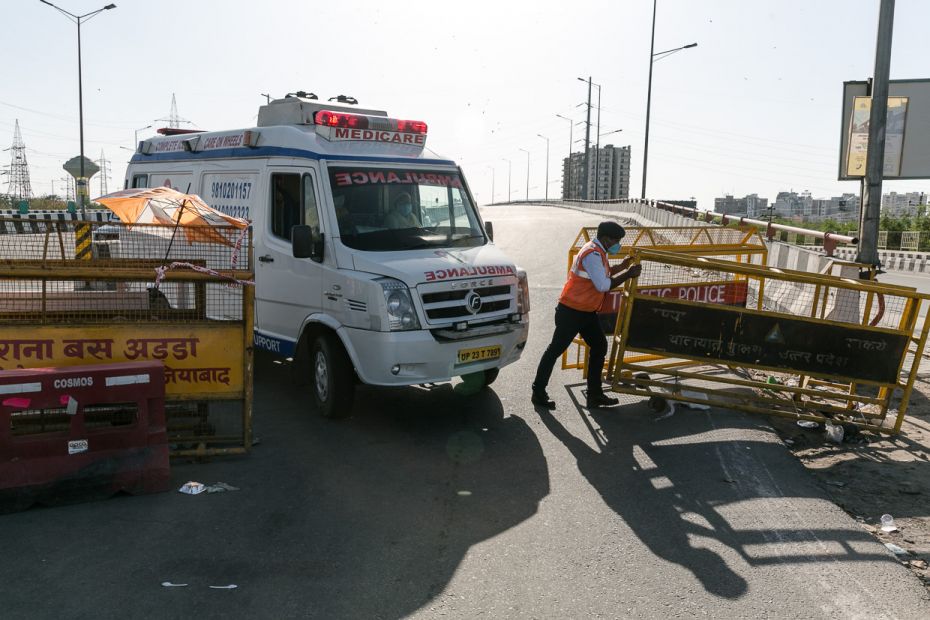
[415, 357]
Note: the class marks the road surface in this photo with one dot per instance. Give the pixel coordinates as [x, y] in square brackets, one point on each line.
[436, 504]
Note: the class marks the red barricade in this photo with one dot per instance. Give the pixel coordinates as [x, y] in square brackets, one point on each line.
[82, 432]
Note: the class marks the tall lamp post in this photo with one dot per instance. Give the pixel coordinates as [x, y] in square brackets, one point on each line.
[492, 183]
[136, 135]
[597, 147]
[547, 163]
[509, 175]
[78, 19]
[527, 173]
[568, 173]
[587, 142]
[653, 57]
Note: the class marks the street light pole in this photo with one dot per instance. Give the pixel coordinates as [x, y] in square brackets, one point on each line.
[527, 174]
[652, 47]
[77, 19]
[547, 164]
[568, 175]
[587, 143]
[492, 183]
[597, 149]
[652, 60]
[509, 175]
[871, 185]
[136, 135]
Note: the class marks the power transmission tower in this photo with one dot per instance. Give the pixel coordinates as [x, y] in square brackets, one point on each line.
[18, 186]
[173, 120]
[69, 187]
[104, 173]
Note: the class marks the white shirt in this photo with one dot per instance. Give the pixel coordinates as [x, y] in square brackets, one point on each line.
[593, 265]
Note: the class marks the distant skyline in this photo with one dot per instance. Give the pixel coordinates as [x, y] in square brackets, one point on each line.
[754, 108]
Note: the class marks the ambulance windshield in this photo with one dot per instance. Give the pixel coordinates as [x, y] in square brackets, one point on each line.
[381, 209]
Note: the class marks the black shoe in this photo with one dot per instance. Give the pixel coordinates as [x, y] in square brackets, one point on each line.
[600, 400]
[541, 399]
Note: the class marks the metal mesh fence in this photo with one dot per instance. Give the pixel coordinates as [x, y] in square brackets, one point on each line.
[108, 301]
[691, 239]
[116, 244]
[44, 278]
[834, 301]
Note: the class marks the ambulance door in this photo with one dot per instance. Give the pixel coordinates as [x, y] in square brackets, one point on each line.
[287, 289]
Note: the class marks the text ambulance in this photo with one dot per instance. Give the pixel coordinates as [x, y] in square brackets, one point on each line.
[373, 261]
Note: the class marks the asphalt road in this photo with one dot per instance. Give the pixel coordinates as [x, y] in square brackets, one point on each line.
[431, 503]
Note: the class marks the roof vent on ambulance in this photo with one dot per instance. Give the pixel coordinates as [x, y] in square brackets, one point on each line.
[299, 108]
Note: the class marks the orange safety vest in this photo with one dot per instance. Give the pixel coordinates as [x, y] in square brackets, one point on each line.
[579, 292]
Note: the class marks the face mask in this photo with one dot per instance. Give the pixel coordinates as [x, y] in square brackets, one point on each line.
[614, 249]
[405, 209]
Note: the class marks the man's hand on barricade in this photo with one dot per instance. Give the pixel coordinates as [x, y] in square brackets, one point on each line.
[622, 266]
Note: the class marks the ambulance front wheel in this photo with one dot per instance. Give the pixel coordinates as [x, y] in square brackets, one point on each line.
[333, 383]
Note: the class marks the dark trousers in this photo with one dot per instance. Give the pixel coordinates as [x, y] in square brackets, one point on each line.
[568, 323]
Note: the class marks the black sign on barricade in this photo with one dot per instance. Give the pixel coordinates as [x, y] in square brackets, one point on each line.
[748, 338]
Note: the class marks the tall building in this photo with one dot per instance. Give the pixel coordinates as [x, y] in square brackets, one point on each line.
[750, 205]
[842, 208]
[895, 204]
[608, 174]
[792, 204]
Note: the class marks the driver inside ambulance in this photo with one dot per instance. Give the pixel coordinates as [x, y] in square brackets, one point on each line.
[401, 214]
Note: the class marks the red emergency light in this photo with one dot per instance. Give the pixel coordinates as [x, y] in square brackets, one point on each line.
[411, 126]
[328, 118]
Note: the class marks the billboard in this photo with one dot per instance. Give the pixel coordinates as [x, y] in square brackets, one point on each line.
[907, 137]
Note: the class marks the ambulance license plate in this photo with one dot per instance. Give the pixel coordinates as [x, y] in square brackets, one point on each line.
[480, 354]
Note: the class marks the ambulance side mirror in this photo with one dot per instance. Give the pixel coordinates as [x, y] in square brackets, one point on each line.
[305, 243]
[489, 229]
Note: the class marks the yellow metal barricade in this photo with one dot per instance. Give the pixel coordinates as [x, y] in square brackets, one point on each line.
[59, 308]
[805, 346]
[740, 245]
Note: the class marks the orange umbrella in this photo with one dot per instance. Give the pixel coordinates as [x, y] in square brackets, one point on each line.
[167, 206]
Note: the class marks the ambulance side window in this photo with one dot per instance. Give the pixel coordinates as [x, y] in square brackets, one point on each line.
[140, 180]
[285, 204]
[311, 213]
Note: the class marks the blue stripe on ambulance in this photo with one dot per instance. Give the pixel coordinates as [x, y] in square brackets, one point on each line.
[274, 151]
[278, 346]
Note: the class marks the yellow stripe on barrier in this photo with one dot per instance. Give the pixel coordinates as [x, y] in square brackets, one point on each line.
[82, 238]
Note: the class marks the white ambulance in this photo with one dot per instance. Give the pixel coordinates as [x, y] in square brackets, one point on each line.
[373, 263]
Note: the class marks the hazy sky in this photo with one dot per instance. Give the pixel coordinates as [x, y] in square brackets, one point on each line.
[754, 108]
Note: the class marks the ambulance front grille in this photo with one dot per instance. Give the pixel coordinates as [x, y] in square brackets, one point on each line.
[451, 305]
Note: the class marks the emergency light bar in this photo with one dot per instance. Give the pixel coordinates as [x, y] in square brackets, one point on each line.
[341, 126]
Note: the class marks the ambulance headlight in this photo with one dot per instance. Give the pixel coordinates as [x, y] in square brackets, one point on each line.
[400, 310]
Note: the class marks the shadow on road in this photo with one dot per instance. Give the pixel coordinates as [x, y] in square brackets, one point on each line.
[672, 481]
[382, 508]
[368, 517]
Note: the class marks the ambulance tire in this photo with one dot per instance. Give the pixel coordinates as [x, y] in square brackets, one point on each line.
[331, 377]
[490, 376]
